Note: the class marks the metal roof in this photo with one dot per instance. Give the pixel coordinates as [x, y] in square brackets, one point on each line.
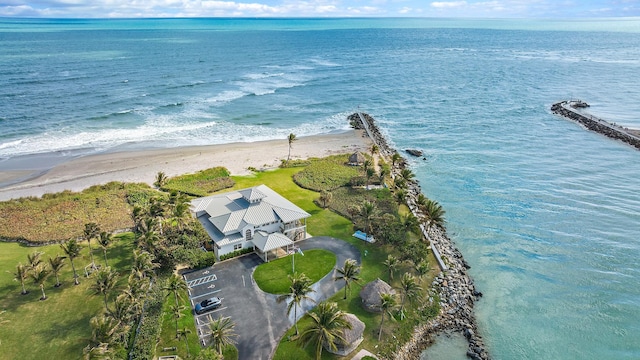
[231, 212]
[268, 242]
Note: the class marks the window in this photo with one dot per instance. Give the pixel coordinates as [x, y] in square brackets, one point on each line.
[247, 235]
[237, 247]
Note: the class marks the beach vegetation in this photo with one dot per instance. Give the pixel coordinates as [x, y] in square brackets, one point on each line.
[61, 216]
[327, 173]
[201, 183]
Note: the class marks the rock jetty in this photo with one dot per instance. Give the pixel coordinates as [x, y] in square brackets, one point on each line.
[453, 286]
[568, 109]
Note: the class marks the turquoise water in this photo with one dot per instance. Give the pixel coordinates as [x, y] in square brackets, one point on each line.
[545, 212]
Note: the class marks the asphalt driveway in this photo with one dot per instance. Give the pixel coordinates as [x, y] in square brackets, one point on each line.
[260, 320]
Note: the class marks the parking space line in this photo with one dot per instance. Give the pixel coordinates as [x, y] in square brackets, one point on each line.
[201, 280]
[209, 293]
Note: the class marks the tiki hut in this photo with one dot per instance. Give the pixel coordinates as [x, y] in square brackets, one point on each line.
[356, 159]
[370, 294]
[352, 337]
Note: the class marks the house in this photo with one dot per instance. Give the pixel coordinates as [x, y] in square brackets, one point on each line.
[256, 218]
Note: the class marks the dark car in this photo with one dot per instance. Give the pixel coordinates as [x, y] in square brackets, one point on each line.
[208, 305]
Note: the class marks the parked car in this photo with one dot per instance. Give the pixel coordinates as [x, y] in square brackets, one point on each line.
[208, 305]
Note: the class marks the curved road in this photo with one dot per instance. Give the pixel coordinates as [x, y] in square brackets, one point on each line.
[260, 320]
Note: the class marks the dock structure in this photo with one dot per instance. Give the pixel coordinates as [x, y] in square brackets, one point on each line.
[569, 109]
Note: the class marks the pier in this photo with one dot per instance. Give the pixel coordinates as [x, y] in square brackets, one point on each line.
[568, 109]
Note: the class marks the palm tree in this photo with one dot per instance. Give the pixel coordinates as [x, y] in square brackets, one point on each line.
[327, 326]
[395, 158]
[367, 211]
[72, 249]
[422, 268]
[137, 215]
[175, 285]
[366, 165]
[387, 305]
[401, 196]
[411, 223]
[350, 272]
[407, 174]
[21, 274]
[382, 174]
[149, 240]
[39, 275]
[410, 289]
[177, 310]
[91, 230]
[57, 263]
[222, 333]
[98, 352]
[391, 263]
[105, 280]
[369, 174]
[291, 138]
[161, 179]
[325, 196]
[103, 330]
[434, 214]
[183, 333]
[374, 149]
[298, 291]
[104, 241]
[143, 265]
[34, 259]
[179, 214]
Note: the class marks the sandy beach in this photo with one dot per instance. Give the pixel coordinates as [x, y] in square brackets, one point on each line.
[143, 165]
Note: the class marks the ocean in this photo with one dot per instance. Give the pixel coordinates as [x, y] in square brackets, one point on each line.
[545, 212]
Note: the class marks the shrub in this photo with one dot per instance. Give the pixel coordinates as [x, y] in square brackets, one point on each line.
[201, 183]
[146, 339]
[294, 163]
[236, 253]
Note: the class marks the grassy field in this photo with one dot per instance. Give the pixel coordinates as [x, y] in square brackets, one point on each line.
[272, 277]
[58, 217]
[58, 327]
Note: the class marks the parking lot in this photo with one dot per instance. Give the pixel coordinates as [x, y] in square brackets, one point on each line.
[202, 285]
[260, 320]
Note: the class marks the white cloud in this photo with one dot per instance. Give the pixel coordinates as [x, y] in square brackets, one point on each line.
[317, 8]
[448, 4]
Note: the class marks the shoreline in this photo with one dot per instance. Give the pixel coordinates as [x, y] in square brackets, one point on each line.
[79, 173]
[453, 285]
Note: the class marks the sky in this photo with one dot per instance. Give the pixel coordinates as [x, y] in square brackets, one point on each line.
[320, 8]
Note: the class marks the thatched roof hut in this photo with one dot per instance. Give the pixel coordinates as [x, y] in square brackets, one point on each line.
[357, 158]
[370, 294]
[352, 337]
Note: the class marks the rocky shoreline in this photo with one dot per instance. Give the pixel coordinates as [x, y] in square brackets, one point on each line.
[566, 110]
[453, 285]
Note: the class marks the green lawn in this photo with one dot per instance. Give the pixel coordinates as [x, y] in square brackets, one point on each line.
[168, 334]
[58, 327]
[272, 277]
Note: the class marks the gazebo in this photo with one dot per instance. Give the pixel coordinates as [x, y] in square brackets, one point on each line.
[357, 158]
[352, 337]
[370, 294]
